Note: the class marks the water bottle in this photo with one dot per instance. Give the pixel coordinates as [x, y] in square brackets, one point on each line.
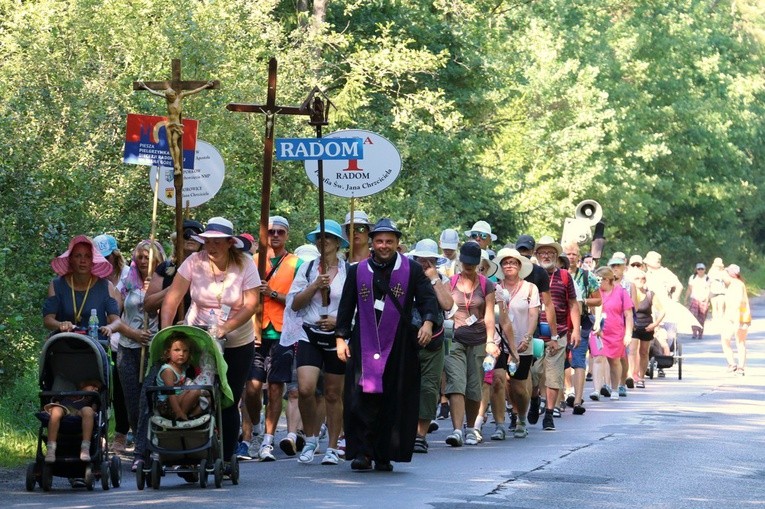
[93, 325]
[512, 367]
[488, 363]
[213, 325]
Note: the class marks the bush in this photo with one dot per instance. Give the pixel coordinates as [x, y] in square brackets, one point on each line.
[18, 425]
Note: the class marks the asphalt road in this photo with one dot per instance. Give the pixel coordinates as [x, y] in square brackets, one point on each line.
[693, 443]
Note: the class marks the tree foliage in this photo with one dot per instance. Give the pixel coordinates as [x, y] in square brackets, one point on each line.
[506, 110]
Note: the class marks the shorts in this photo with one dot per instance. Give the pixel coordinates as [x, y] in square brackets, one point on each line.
[524, 367]
[642, 334]
[272, 362]
[464, 370]
[578, 358]
[431, 367]
[309, 354]
[552, 366]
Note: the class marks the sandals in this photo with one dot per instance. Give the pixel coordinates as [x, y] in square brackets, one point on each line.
[640, 384]
[420, 445]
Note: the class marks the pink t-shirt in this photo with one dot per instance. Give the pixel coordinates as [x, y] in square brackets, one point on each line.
[614, 306]
[204, 293]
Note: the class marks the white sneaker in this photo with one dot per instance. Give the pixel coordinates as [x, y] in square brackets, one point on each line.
[257, 441]
[331, 457]
[266, 453]
[470, 437]
[308, 452]
[614, 396]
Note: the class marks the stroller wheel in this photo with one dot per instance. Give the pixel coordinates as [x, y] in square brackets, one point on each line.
[156, 473]
[30, 481]
[46, 481]
[203, 473]
[140, 476]
[218, 473]
[116, 471]
[90, 479]
[234, 472]
[105, 474]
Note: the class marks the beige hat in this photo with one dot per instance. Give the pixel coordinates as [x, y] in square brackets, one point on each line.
[547, 241]
[652, 259]
[636, 259]
[506, 252]
[718, 263]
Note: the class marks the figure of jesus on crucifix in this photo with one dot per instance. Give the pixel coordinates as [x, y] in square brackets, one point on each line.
[173, 124]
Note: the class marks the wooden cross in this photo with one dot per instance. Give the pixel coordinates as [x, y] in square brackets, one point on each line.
[270, 110]
[173, 92]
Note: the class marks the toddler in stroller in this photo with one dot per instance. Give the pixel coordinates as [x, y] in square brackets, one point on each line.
[182, 408]
[80, 405]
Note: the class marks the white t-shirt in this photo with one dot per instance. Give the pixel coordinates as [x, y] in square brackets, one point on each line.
[525, 298]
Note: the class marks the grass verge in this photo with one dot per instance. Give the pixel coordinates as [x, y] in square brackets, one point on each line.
[18, 425]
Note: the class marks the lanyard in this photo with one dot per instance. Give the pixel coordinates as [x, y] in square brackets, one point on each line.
[468, 300]
[222, 285]
[78, 313]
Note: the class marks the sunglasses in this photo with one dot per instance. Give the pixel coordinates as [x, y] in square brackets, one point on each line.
[361, 228]
[479, 235]
[277, 232]
[636, 265]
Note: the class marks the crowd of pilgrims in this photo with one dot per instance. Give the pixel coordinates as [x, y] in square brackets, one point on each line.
[371, 345]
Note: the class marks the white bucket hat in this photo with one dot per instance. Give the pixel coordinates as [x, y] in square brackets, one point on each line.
[493, 270]
[449, 239]
[482, 227]
[427, 248]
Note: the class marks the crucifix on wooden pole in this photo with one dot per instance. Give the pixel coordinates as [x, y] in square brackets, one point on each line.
[173, 92]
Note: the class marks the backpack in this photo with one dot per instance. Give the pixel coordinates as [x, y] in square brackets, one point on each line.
[481, 279]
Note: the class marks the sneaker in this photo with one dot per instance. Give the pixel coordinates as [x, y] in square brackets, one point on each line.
[630, 382]
[420, 445]
[50, 455]
[640, 384]
[455, 439]
[306, 455]
[243, 451]
[255, 443]
[341, 445]
[331, 457]
[470, 437]
[662, 374]
[548, 423]
[266, 453]
[615, 396]
[288, 445]
[605, 390]
[533, 416]
[520, 431]
[478, 436]
[740, 372]
[570, 400]
[443, 412]
[622, 391]
[85, 454]
[579, 409]
[588, 378]
[323, 431]
[595, 396]
[499, 433]
[433, 427]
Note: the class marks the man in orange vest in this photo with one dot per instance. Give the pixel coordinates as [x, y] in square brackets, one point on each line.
[273, 362]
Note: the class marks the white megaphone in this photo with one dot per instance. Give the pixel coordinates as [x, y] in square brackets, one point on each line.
[579, 228]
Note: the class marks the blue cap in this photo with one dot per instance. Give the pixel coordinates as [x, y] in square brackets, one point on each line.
[330, 227]
[106, 244]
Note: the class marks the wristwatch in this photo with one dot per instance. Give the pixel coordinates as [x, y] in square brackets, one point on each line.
[434, 281]
[274, 294]
[554, 338]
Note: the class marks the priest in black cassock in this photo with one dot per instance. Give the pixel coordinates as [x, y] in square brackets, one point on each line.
[382, 376]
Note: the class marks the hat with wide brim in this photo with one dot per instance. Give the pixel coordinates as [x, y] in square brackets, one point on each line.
[219, 228]
[526, 266]
[427, 248]
[307, 252]
[652, 259]
[359, 217]
[547, 241]
[330, 227]
[203, 343]
[101, 266]
[483, 227]
[493, 270]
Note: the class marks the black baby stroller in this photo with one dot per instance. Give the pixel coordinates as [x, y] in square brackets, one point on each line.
[193, 448]
[658, 362]
[66, 360]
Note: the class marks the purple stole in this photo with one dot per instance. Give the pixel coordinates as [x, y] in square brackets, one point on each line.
[378, 339]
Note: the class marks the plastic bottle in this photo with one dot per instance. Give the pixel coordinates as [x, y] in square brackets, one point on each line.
[512, 367]
[93, 325]
[213, 325]
[488, 363]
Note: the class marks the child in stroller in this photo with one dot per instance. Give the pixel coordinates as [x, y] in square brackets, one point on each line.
[80, 405]
[181, 405]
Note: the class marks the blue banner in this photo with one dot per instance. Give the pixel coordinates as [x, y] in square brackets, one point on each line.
[314, 149]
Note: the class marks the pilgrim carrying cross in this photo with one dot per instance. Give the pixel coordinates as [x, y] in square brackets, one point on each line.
[270, 110]
[173, 92]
